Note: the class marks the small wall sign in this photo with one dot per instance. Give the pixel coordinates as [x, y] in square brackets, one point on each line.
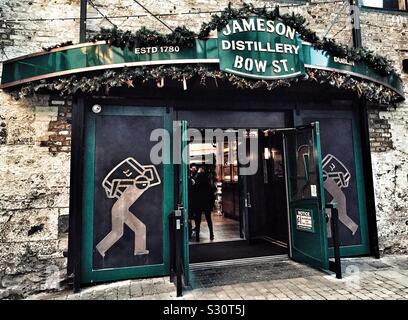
[262, 49]
[304, 220]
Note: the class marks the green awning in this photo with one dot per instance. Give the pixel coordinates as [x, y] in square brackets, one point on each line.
[93, 56]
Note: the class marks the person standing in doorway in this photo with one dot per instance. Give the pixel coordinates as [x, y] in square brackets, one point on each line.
[205, 197]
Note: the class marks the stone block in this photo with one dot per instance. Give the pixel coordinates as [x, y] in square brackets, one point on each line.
[30, 225]
[63, 224]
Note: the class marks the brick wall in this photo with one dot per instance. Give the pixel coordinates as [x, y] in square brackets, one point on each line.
[59, 139]
[380, 132]
[35, 133]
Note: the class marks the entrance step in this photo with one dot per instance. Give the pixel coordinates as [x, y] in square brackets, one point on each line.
[236, 262]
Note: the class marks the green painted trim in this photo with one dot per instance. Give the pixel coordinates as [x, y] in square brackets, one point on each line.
[99, 55]
[88, 203]
[88, 274]
[364, 247]
[362, 205]
[168, 191]
[322, 210]
[184, 195]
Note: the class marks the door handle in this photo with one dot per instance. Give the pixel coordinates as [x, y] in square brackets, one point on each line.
[248, 200]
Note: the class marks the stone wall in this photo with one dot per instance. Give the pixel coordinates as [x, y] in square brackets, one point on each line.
[34, 197]
[34, 189]
[387, 34]
[35, 133]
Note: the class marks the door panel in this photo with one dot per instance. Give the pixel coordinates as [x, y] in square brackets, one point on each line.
[305, 196]
[126, 198]
[252, 201]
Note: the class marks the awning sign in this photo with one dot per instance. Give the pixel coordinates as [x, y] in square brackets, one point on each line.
[262, 49]
[304, 220]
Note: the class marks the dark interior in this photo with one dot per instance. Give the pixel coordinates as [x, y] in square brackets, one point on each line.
[257, 202]
[267, 216]
[229, 250]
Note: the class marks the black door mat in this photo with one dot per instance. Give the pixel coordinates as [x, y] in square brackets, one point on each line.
[228, 250]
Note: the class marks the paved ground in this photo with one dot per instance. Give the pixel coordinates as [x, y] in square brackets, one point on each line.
[364, 278]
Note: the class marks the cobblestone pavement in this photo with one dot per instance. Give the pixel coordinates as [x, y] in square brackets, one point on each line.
[364, 278]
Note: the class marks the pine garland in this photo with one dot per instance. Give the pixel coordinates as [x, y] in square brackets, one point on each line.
[183, 37]
[61, 45]
[144, 37]
[127, 77]
[218, 22]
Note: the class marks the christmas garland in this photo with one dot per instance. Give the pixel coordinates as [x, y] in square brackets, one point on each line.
[144, 37]
[218, 22]
[128, 76]
[63, 44]
[183, 37]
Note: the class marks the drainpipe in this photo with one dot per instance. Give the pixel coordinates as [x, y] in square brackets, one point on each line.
[82, 21]
[355, 23]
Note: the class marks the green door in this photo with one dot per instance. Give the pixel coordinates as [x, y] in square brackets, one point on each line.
[127, 195]
[183, 200]
[306, 206]
[343, 175]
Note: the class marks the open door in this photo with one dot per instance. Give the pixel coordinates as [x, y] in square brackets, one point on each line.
[183, 200]
[306, 205]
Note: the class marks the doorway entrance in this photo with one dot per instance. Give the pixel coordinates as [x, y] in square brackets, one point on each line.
[276, 209]
[248, 215]
[281, 207]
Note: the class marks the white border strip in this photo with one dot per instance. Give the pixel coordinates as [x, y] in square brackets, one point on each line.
[262, 77]
[236, 262]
